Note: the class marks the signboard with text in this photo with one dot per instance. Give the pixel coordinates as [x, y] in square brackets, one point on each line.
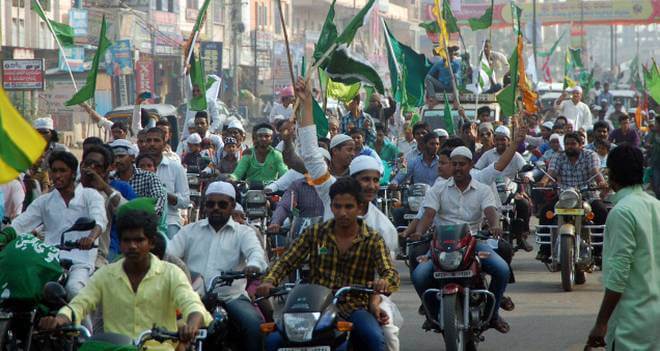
[78, 20]
[23, 74]
[119, 59]
[144, 76]
[212, 57]
[75, 55]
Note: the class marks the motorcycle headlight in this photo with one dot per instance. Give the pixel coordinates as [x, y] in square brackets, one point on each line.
[451, 260]
[299, 327]
[568, 199]
[193, 180]
[415, 202]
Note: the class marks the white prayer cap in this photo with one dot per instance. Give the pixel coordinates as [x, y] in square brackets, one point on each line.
[238, 208]
[43, 123]
[222, 188]
[555, 137]
[364, 163]
[235, 124]
[325, 153]
[123, 147]
[577, 89]
[504, 131]
[191, 123]
[339, 139]
[277, 117]
[441, 133]
[194, 139]
[548, 125]
[461, 151]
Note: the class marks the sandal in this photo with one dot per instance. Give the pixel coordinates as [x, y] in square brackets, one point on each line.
[507, 304]
[500, 325]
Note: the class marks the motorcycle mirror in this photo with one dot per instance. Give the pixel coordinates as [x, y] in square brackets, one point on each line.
[82, 224]
[526, 168]
[54, 293]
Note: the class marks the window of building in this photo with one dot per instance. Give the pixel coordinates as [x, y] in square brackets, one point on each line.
[192, 4]
[21, 33]
[14, 32]
[218, 11]
[276, 20]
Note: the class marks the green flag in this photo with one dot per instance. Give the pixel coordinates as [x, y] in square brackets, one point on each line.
[320, 120]
[328, 34]
[652, 80]
[635, 79]
[201, 16]
[483, 22]
[450, 20]
[197, 78]
[407, 71]
[515, 15]
[87, 92]
[341, 92]
[346, 37]
[430, 26]
[505, 98]
[576, 57]
[553, 48]
[347, 68]
[448, 119]
[61, 31]
[586, 81]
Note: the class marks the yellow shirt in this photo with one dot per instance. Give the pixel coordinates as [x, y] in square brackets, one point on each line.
[162, 291]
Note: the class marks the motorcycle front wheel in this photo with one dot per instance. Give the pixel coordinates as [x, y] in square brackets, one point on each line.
[456, 335]
[567, 262]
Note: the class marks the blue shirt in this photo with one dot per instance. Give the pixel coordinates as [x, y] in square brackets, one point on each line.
[126, 190]
[419, 172]
[349, 122]
[441, 72]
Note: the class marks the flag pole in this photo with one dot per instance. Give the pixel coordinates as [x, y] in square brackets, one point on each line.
[476, 100]
[286, 42]
[59, 45]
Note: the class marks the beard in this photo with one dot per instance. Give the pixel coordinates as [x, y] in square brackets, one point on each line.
[218, 220]
[572, 153]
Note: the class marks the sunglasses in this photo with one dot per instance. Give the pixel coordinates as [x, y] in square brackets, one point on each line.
[223, 205]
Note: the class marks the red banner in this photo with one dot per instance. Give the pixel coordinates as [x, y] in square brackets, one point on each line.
[144, 77]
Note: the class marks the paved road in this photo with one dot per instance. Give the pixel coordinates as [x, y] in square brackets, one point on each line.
[545, 318]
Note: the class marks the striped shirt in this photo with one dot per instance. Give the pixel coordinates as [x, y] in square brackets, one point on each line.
[330, 268]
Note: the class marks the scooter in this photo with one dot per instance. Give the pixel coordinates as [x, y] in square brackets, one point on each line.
[310, 319]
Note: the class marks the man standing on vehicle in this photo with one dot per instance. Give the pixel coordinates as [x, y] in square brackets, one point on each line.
[576, 111]
[357, 118]
[59, 209]
[629, 314]
[462, 199]
[217, 244]
[574, 168]
[520, 226]
[362, 253]
[173, 176]
[139, 290]
[424, 168]
[264, 164]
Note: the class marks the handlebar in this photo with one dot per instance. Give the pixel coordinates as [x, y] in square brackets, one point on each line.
[160, 335]
[228, 277]
[483, 235]
[279, 291]
[72, 245]
[346, 289]
[77, 330]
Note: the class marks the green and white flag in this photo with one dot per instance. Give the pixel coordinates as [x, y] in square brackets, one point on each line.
[486, 75]
[62, 32]
[87, 92]
[349, 68]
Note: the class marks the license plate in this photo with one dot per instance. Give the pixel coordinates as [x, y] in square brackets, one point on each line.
[569, 211]
[409, 216]
[449, 275]
[310, 348]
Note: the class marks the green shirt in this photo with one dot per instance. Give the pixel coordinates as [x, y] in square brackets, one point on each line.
[251, 170]
[631, 266]
[388, 153]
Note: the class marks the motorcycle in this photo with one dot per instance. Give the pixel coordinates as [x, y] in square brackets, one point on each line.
[411, 201]
[570, 253]
[460, 306]
[507, 192]
[197, 182]
[310, 319]
[258, 207]
[19, 317]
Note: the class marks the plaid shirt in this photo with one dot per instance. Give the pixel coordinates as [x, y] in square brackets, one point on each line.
[147, 184]
[366, 257]
[575, 175]
[348, 122]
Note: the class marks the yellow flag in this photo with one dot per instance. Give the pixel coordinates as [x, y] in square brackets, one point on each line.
[20, 144]
[529, 97]
[443, 35]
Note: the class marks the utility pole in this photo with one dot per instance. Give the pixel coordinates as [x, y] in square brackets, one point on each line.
[237, 30]
[534, 34]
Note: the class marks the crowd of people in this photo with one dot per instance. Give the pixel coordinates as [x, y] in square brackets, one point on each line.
[136, 189]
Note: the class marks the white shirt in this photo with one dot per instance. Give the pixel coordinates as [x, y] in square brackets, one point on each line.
[14, 194]
[500, 65]
[317, 168]
[454, 206]
[279, 109]
[405, 146]
[210, 253]
[285, 181]
[491, 156]
[173, 176]
[51, 210]
[215, 139]
[579, 115]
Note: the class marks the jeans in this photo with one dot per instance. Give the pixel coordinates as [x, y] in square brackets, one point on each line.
[247, 321]
[77, 278]
[367, 333]
[494, 265]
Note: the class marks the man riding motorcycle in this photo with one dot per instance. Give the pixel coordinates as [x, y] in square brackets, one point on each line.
[576, 167]
[264, 164]
[462, 199]
[139, 279]
[362, 253]
[218, 244]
